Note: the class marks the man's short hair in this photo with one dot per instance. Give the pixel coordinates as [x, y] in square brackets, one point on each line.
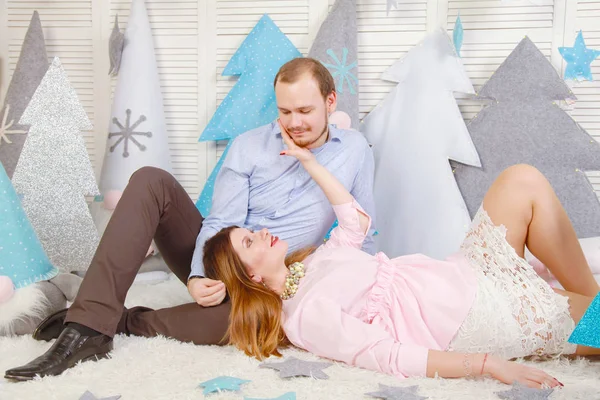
[294, 69]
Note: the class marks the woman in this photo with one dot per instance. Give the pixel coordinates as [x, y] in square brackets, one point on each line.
[413, 315]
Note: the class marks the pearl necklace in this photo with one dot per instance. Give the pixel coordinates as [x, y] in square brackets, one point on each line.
[292, 279]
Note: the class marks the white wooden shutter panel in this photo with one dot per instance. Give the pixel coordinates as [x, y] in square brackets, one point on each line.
[586, 110]
[67, 29]
[492, 29]
[234, 21]
[383, 39]
[175, 27]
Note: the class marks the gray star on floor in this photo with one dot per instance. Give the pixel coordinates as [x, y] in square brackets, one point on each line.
[295, 367]
[522, 392]
[397, 393]
[90, 396]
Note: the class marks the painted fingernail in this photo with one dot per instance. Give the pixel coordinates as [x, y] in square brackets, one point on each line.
[282, 153]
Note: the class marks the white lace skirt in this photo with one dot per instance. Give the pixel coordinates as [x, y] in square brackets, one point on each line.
[515, 312]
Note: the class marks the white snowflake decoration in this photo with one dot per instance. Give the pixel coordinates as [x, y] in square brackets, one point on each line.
[4, 131]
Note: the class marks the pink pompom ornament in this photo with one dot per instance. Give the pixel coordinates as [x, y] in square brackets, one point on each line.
[7, 289]
[111, 198]
[340, 119]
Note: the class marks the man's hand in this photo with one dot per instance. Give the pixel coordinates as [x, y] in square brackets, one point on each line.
[207, 292]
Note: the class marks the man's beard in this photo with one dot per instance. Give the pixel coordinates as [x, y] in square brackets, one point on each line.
[305, 143]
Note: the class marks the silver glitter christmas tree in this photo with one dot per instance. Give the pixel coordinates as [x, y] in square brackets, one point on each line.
[54, 173]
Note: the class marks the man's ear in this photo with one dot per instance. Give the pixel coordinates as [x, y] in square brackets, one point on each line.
[331, 102]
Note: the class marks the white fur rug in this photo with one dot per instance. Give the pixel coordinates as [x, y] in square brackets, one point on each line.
[161, 368]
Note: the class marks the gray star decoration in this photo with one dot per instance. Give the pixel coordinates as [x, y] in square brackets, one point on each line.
[397, 393]
[522, 392]
[295, 367]
[90, 396]
[127, 133]
[116, 42]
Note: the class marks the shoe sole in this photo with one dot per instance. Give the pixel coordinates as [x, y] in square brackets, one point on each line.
[18, 378]
[97, 357]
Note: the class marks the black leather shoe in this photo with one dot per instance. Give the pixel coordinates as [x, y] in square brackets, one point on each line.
[70, 348]
[51, 327]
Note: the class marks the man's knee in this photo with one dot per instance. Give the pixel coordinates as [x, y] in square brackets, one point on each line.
[148, 175]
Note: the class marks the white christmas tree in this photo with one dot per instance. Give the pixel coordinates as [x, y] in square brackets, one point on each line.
[54, 173]
[137, 133]
[414, 131]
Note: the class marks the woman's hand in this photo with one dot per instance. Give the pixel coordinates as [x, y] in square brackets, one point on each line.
[336, 192]
[303, 155]
[508, 372]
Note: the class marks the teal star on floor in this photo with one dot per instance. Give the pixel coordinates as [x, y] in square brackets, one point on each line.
[285, 396]
[522, 392]
[578, 59]
[222, 383]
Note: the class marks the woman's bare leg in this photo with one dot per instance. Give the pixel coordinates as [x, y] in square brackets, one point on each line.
[522, 200]
[578, 305]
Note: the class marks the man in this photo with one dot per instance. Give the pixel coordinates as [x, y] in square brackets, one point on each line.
[255, 188]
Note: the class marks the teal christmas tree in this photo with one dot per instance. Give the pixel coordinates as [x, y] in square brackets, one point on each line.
[251, 102]
[22, 257]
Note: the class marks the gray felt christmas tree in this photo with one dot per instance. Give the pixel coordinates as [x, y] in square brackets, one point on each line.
[54, 173]
[31, 67]
[524, 124]
[336, 47]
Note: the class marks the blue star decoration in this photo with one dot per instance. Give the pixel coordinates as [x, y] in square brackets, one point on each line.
[578, 59]
[295, 367]
[396, 393]
[457, 34]
[222, 383]
[522, 392]
[587, 331]
[285, 396]
[342, 70]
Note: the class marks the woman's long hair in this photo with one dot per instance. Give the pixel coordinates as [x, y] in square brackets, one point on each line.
[255, 322]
